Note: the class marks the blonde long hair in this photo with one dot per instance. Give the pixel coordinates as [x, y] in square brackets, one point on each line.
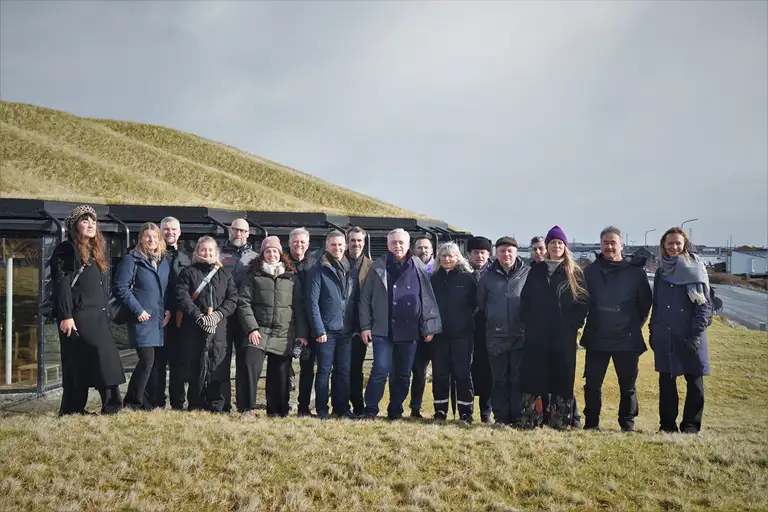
[150, 226]
[574, 274]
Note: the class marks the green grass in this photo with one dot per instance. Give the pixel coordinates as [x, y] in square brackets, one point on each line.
[48, 154]
[196, 461]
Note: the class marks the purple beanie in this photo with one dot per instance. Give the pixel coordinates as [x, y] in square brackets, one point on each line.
[556, 234]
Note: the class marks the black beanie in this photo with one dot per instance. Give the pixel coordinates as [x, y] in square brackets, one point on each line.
[478, 242]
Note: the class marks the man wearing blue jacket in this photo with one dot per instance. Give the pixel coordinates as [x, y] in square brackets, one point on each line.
[332, 311]
[397, 308]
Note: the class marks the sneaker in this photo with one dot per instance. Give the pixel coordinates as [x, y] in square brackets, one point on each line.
[466, 418]
[588, 426]
[668, 430]
[485, 418]
[689, 430]
[628, 429]
[439, 416]
[415, 413]
[349, 415]
[367, 417]
[305, 414]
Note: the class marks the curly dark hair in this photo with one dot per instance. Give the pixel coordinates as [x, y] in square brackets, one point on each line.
[257, 261]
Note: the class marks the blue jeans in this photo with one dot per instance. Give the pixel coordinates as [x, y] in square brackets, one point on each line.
[333, 355]
[397, 357]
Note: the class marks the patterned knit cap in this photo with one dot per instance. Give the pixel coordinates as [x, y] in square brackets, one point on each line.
[78, 212]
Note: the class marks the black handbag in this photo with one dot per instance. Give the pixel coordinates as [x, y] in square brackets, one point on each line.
[119, 312]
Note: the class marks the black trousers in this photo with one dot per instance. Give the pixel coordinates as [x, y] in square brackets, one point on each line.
[138, 394]
[177, 375]
[214, 398]
[669, 403]
[420, 362]
[452, 358]
[306, 378]
[74, 394]
[157, 377]
[278, 394]
[359, 350]
[110, 400]
[507, 395]
[250, 361]
[595, 368]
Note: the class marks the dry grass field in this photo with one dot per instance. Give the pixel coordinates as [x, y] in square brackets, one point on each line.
[48, 154]
[196, 461]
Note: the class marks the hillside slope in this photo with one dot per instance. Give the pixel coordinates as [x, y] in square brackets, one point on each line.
[49, 154]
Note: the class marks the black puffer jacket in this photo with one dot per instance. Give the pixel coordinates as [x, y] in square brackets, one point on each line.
[619, 302]
[498, 295]
[274, 306]
[456, 294]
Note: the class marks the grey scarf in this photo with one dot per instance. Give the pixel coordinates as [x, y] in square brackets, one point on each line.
[687, 270]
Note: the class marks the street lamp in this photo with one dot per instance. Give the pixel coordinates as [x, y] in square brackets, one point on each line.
[690, 235]
[646, 237]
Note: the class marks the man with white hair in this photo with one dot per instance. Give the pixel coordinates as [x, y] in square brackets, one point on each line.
[397, 308]
[298, 241]
[170, 355]
[236, 256]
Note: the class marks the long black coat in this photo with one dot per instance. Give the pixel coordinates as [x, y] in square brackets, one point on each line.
[97, 360]
[551, 321]
[481, 370]
[220, 295]
[619, 302]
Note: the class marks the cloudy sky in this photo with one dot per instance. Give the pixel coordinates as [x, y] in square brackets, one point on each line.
[501, 117]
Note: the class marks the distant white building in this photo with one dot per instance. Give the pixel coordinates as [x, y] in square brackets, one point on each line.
[752, 263]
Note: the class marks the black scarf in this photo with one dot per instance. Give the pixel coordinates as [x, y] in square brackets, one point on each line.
[341, 267]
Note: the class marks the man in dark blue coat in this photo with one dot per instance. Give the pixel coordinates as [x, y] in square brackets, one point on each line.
[397, 308]
[619, 302]
[330, 300]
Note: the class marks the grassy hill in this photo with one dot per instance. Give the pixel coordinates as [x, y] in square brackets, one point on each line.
[48, 154]
[167, 460]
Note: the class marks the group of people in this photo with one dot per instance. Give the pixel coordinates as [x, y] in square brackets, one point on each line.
[500, 329]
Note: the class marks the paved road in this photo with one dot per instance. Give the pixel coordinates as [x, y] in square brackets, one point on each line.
[746, 307]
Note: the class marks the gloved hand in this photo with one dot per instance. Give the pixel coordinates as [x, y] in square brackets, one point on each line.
[693, 344]
[217, 316]
[207, 323]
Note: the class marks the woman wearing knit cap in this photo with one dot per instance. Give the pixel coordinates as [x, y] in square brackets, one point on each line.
[679, 319]
[207, 296]
[141, 283]
[554, 306]
[271, 311]
[89, 356]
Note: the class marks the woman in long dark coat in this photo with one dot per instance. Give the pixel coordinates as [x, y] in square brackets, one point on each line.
[553, 308]
[271, 312]
[141, 283]
[204, 327]
[89, 356]
[679, 319]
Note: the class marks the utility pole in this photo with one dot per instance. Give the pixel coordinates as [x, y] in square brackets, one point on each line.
[690, 236]
[646, 237]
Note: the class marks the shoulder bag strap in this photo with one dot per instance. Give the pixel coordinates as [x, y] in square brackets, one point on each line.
[204, 283]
